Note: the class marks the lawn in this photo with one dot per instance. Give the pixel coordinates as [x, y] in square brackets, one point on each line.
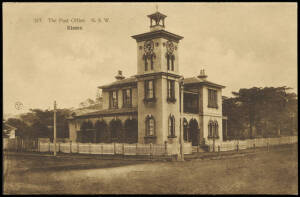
[274, 172]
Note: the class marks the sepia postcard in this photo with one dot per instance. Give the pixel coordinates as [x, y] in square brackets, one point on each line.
[150, 98]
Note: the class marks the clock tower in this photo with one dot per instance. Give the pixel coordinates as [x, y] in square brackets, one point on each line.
[158, 83]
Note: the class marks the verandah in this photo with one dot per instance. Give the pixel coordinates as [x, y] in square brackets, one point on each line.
[115, 131]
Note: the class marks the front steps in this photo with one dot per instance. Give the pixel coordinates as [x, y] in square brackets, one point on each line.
[199, 149]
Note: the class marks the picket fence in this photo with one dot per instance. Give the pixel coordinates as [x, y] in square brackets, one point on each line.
[140, 149]
[97, 148]
[251, 143]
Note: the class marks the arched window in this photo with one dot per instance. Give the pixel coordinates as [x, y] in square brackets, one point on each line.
[150, 126]
[152, 57]
[145, 60]
[168, 61]
[213, 129]
[185, 130]
[210, 129]
[171, 126]
[216, 129]
[172, 62]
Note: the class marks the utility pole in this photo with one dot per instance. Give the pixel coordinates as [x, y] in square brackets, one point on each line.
[54, 136]
[214, 142]
[181, 121]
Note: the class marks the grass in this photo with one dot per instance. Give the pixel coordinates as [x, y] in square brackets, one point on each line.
[274, 172]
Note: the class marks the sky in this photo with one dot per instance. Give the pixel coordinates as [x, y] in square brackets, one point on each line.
[240, 45]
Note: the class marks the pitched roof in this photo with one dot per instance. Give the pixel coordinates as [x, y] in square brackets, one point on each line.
[8, 127]
[196, 80]
[127, 81]
[133, 81]
[107, 112]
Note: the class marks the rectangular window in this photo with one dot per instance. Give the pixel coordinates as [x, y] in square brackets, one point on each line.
[149, 89]
[212, 98]
[171, 90]
[127, 98]
[113, 100]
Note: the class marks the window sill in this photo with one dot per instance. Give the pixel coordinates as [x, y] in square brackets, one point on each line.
[213, 106]
[127, 106]
[191, 112]
[149, 100]
[150, 136]
[171, 100]
[172, 136]
[210, 138]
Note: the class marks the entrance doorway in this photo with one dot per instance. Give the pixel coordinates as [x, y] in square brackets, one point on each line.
[194, 132]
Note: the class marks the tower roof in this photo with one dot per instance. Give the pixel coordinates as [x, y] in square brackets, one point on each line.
[157, 15]
[157, 34]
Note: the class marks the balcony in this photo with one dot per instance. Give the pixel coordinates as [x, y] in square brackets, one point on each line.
[190, 103]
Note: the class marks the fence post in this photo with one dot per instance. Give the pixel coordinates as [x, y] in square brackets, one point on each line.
[237, 147]
[114, 148]
[49, 146]
[219, 148]
[150, 150]
[136, 149]
[166, 147]
[39, 146]
[59, 147]
[101, 149]
[254, 146]
[77, 147]
[123, 150]
[70, 146]
[90, 151]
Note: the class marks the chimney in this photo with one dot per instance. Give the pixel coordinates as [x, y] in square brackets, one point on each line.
[202, 74]
[119, 76]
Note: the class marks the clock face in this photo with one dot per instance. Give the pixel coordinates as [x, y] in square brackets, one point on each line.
[148, 46]
[170, 47]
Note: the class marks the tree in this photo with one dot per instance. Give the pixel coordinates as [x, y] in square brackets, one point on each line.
[35, 123]
[269, 111]
[22, 127]
[250, 99]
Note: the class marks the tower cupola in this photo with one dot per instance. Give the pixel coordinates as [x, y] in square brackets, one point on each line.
[157, 21]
